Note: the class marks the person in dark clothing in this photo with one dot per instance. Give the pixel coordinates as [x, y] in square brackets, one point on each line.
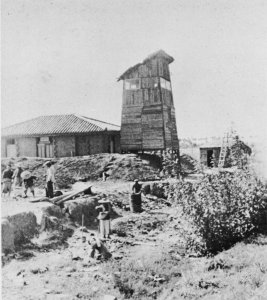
[136, 197]
[28, 184]
[136, 189]
[7, 180]
[98, 245]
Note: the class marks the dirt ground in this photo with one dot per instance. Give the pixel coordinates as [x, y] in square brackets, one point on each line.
[150, 261]
[42, 273]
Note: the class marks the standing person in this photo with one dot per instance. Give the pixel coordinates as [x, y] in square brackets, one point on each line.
[17, 176]
[104, 218]
[137, 187]
[136, 197]
[7, 180]
[53, 169]
[50, 179]
[28, 184]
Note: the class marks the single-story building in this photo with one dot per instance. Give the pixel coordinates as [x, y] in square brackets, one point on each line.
[210, 153]
[60, 136]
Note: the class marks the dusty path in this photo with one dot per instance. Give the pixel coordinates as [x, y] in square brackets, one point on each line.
[67, 272]
[150, 262]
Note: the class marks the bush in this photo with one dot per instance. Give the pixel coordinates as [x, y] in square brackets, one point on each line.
[224, 207]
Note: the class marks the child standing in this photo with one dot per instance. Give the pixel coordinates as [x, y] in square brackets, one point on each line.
[28, 184]
[104, 218]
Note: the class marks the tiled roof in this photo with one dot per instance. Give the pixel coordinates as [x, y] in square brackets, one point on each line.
[57, 125]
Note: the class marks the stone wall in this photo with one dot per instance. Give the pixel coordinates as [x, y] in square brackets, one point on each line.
[96, 143]
[65, 146]
[27, 146]
[82, 145]
[117, 143]
[3, 147]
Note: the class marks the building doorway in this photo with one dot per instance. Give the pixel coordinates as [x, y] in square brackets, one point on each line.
[45, 148]
[11, 149]
[112, 144]
[210, 158]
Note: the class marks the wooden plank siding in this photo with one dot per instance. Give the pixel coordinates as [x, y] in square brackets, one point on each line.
[148, 116]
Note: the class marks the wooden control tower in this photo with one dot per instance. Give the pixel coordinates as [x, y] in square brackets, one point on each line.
[148, 120]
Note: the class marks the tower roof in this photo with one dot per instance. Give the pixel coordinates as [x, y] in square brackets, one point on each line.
[157, 54]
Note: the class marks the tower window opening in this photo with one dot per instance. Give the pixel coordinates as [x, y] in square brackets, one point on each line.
[132, 84]
[165, 84]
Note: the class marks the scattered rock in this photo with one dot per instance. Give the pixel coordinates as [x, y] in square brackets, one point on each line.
[39, 270]
[70, 269]
[109, 297]
[117, 256]
[20, 272]
[207, 284]
[159, 279]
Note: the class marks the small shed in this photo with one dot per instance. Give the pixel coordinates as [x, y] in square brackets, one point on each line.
[60, 136]
[209, 154]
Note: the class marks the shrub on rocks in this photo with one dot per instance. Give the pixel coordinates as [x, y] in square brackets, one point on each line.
[158, 189]
[146, 189]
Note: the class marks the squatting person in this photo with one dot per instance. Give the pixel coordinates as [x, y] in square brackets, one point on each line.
[98, 245]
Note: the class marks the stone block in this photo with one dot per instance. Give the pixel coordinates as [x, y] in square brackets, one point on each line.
[25, 226]
[8, 236]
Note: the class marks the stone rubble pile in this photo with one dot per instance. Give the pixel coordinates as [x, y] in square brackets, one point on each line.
[125, 167]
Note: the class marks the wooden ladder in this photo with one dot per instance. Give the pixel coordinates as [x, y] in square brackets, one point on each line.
[223, 152]
[227, 143]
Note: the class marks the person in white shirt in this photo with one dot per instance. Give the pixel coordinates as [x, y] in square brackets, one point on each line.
[53, 169]
[50, 179]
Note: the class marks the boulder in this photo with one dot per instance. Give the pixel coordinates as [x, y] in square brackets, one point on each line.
[83, 206]
[8, 236]
[54, 211]
[109, 297]
[25, 226]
